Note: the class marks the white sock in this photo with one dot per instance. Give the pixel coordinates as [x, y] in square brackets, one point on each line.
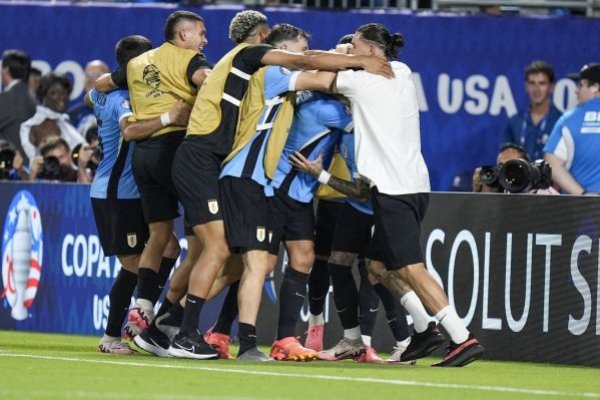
[352, 334]
[411, 302]
[366, 340]
[106, 338]
[452, 324]
[315, 320]
[404, 343]
[145, 304]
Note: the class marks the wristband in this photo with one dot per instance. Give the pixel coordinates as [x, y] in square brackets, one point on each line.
[165, 120]
[324, 177]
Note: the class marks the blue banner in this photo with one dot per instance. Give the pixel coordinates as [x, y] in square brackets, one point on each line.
[468, 69]
[55, 276]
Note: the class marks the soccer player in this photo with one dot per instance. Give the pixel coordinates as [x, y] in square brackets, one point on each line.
[197, 165]
[115, 198]
[157, 80]
[387, 150]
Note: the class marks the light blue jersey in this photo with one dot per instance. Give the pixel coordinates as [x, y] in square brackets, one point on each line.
[248, 163]
[315, 130]
[346, 149]
[575, 139]
[114, 178]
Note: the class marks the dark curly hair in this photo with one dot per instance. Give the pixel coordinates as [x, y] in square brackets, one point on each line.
[49, 79]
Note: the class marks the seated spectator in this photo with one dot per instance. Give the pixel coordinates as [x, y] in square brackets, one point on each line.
[56, 164]
[508, 152]
[81, 114]
[50, 119]
[12, 166]
[531, 127]
[573, 149]
[16, 104]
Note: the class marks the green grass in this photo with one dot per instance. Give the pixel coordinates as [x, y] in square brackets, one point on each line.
[46, 366]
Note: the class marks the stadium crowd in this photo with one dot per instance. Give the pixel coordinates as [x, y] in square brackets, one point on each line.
[246, 145]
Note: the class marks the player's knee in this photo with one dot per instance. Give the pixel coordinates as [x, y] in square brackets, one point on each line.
[172, 249]
[377, 271]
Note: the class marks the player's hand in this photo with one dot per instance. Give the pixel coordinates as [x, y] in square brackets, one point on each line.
[301, 163]
[378, 66]
[345, 48]
[179, 114]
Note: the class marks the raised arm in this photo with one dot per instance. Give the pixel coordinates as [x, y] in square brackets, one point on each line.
[327, 61]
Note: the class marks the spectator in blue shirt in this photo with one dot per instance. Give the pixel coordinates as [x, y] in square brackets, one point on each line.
[531, 127]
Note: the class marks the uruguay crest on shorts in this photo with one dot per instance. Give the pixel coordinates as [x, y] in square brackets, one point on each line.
[132, 239]
[213, 206]
[261, 233]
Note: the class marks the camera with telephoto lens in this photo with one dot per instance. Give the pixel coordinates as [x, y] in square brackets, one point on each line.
[6, 162]
[517, 176]
[51, 169]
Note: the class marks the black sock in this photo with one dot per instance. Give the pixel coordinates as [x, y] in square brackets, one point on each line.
[146, 286]
[345, 295]
[164, 308]
[368, 302]
[166, 265]
[291, 297]
[395, 314]
[318, 286]
[247, 335]
[229, 310]
[120, 298]
[191, 314]
[174, 315]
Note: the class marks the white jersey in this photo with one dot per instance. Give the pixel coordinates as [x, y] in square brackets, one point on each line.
[386, 128]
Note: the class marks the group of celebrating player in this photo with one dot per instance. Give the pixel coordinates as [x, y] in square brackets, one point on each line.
[245, 146]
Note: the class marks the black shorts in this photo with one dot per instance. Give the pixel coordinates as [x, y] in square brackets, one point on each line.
[196, 177]
[396, 241]
[352, 231]
[151, 164]
[290, 220]
[245, 214]
[121, 226]
[327, 215]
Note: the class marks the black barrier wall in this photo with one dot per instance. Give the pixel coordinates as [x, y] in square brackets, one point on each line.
[521, 270]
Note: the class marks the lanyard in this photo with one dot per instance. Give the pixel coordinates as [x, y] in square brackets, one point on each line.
[526, 119]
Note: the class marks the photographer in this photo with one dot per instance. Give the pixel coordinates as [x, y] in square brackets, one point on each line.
[513, 173]
[87, 157]
[11, 163]
[55, 163]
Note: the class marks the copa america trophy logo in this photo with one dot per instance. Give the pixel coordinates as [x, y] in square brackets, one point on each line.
[21, 253]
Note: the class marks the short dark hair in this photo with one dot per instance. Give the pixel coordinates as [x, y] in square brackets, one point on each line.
[35, 71]
[346, 39]
[130, 47]
[18, 63]
[177, 17]
[540, 67]
[380, 36]
[282, 32]
[511, 146]
[52, 143]
[50, 79]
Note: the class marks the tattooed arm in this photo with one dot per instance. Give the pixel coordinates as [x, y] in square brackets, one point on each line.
[359, 189]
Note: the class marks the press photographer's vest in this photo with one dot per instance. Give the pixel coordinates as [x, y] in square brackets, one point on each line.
[279, 121]
[157, 79]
